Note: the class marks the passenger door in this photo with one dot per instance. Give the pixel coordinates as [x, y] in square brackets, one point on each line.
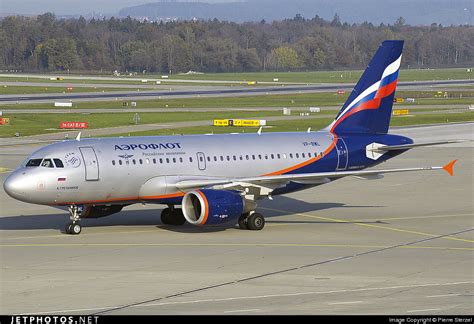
[201, 158]
[91, 163]
[342, 154]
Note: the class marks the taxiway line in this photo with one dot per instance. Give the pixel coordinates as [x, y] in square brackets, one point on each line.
[231, 245]
[447, 237]
[297, 294]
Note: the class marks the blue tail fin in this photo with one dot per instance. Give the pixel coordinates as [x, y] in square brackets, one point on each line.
[369, 107]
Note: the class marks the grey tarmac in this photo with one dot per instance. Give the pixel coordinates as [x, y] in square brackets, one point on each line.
[399, 245]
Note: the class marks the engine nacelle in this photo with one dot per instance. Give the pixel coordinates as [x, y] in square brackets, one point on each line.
[100, 211]
[212, 207]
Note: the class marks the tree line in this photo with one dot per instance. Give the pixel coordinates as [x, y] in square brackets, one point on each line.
[45, 43]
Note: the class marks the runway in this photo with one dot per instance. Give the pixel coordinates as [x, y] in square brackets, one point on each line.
[399, 245]
[221, 91]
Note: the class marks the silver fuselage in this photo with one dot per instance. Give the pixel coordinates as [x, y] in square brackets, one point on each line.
[137, 169]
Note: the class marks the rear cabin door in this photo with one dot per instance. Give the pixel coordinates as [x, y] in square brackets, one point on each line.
[91, 163]
[342, 154]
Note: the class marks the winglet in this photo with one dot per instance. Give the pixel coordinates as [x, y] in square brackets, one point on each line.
[78, 138]
[449, 167]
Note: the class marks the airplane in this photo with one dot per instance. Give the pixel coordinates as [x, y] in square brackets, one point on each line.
[218, 179]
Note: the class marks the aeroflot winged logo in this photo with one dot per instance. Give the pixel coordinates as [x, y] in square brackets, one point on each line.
[153, 146]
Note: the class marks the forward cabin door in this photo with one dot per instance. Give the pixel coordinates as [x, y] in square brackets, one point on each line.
[91, 163]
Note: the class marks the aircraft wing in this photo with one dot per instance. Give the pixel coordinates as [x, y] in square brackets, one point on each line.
[266, 184]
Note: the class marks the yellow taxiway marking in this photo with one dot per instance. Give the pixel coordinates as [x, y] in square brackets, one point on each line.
[414, 217]
[370, 225]
[231, 245]
[3, 170]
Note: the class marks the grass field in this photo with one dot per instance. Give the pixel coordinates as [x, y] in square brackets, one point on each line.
[4, 90]
[286, 100]
[304, 124]
[32, 124]
[291, 77]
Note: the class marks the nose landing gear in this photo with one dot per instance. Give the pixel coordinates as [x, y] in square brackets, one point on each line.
[73, 227]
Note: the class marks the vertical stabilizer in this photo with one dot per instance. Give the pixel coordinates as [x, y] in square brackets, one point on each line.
[369, 107]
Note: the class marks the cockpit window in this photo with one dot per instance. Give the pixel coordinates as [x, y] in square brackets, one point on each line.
[34, 163]
[59, 163]
[47, 163]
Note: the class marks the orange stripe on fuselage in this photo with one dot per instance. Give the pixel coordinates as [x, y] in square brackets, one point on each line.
[300, 165]
[123, 199]
[206, 207]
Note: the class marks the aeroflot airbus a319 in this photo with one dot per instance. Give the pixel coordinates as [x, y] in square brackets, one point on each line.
[218, 179]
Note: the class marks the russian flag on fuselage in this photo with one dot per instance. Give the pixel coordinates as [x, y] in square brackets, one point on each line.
[369, 107]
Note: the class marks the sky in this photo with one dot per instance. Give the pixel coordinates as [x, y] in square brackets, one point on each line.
[73, 7]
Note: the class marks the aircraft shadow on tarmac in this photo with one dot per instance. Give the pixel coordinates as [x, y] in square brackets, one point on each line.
[58, 220]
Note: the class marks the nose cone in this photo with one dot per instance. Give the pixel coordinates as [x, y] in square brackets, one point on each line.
[14, 186]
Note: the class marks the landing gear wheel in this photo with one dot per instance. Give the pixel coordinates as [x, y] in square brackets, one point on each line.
[255, 222]
[73, 228]
[166, 216]
[177, 217]
[243, 222]
[76, 229]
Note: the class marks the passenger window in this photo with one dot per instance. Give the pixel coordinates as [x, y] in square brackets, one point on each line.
[141, 161]
[272, 156]
[253, 156]
[222, 158]
[278, 156]
[154, 161]
[215, 158]
[134, 161]
[181, 159]
[191, 159]
[167, 160]
[303, 155]
[161, 161]
[284, 155]
[34, 163]
[147, 161]
[291, 155]
[259, 156]
[174, 160]
[297, 156]
[120, 162]
[113, 162]
[235, 158]
[208, 159]
[247, 157]
[59, 163]
[228, 158]
[47, 163]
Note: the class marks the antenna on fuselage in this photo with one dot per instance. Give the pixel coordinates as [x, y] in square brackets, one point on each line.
[260, 130]
[78, 138]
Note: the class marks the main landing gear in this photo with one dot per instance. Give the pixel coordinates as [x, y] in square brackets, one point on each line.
[172, 216]
[73, 227]
[252, 221]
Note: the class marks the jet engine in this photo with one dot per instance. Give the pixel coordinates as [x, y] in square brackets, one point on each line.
[100, 211]
[212, 207]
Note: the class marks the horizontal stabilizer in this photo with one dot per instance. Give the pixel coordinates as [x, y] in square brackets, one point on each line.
[413, 145]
